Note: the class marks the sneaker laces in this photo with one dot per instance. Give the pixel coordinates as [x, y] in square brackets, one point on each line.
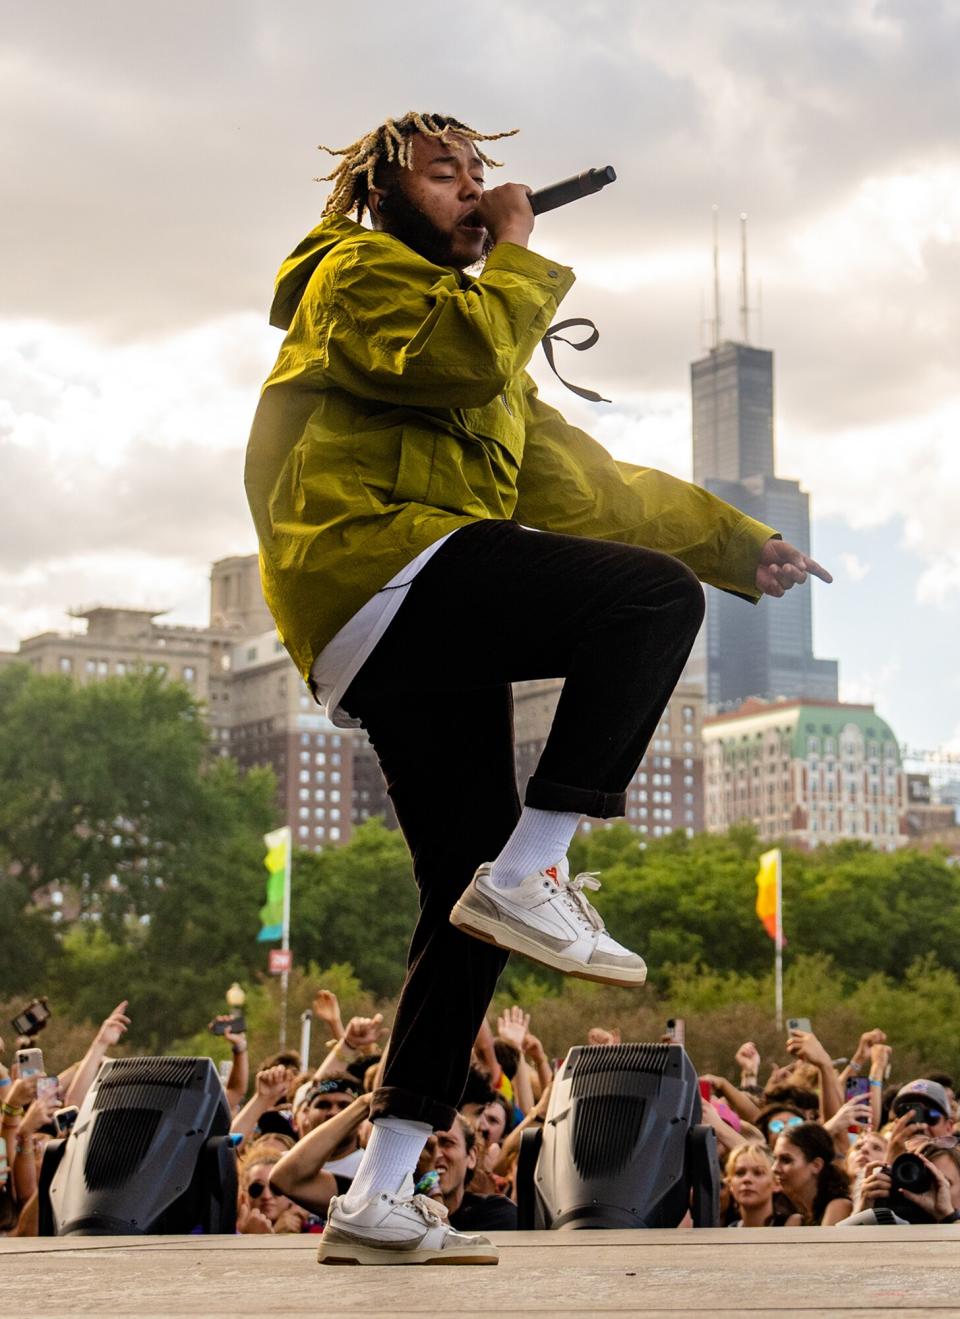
[429, 1209]
[578, 903]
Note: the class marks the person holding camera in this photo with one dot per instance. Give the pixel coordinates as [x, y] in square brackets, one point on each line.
[922, 1186]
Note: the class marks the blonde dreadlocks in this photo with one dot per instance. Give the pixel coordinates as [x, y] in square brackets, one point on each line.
[390, 143]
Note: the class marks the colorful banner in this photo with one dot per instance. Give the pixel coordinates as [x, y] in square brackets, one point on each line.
[767, 889]
[277, 862]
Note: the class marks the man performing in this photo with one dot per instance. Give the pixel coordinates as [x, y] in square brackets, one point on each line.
[430, 531]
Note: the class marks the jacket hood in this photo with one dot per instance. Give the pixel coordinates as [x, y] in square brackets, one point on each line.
[294, 274]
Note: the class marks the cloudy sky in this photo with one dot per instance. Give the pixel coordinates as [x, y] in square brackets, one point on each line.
[158, 163]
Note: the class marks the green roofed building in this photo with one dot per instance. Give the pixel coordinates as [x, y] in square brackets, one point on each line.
[807, 772]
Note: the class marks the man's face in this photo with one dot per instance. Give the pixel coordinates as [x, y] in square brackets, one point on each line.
[320, 1109]
[492, 1123]
[452, 1161]
[429, 206]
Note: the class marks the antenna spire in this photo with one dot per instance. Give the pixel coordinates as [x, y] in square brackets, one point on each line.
[744, 300]
[716, 275]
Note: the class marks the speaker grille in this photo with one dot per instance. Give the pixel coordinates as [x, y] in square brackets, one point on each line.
[598, 1060]
[146, 1083]
[118, 1145]
[605, 1132]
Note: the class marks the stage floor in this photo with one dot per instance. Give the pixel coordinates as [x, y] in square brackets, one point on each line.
[785, 1272]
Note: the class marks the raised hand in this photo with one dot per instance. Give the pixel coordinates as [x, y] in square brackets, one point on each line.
[272, 1085]
[783, 566]
[854, 1113]
[364, 1032]
[598, 1035]
[512, 1026]
[114, 1027]
[804, 1044]
[747, 1058]
[327, 1008]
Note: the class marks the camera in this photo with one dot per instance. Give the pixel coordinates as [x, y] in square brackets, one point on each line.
[32, 1019]
[908, 1173]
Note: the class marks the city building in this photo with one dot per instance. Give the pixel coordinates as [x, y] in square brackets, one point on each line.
[258, 708]
[806, 772]
[666, 793]
[924, 814]
[745, 650]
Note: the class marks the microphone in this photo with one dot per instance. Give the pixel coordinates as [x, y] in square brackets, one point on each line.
[580, 185]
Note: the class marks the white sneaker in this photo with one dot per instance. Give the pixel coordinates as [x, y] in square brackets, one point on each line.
[388, 1229]
[547, 917]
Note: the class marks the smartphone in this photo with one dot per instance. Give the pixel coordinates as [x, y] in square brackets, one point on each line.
[706, 1091]
[64, 1118]
[799, 1024]
[857, 1087]
[677, 1030]
[47, 1085]
[4, 1165]
[29, 1062]
[33, 1018]
[236, 1026]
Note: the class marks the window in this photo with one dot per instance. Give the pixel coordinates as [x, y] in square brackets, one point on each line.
[320, 758]
[189, 673]
[304, 776]
[66, 664]
[90, 666]
[335, 795]
[334, 833]
[304, 757]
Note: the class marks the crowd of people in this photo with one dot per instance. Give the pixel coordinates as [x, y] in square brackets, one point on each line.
[822, 1142]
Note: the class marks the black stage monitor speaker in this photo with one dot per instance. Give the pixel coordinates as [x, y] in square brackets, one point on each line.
[622, 1144]
[150, 1152]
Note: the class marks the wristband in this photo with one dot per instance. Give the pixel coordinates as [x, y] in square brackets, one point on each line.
[238, 1048]
[4, 1080]
[8, 1110]
[855, 1067]
[875, 1083]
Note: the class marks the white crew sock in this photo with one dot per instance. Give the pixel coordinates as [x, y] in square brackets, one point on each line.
[540, 839]
[391, 1156]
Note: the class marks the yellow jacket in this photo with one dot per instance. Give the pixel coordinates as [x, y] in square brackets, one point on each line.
[399, 409]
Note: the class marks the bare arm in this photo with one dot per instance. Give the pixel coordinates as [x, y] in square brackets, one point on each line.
[271, 1087]
[512, 1026]
[805, 1045]
[299, 1174]
[109, 1034]
[742, 1104]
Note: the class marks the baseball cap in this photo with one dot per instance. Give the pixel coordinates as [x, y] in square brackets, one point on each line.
[930, 1091]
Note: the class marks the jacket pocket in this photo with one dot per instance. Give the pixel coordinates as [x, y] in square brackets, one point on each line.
[415, 468]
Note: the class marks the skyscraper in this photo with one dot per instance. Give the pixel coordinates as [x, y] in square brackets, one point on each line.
[746, 650]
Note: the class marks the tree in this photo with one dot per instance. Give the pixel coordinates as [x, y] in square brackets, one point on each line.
[109, 792]
[357, 904]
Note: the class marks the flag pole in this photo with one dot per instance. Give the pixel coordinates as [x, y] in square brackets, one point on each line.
[778, 945]
[285, 937]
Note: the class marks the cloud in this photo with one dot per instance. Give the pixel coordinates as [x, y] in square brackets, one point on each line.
[856, 569]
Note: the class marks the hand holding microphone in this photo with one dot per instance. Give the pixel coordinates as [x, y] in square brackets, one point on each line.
[508, 211]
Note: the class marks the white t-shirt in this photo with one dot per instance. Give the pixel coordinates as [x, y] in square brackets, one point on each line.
[342, 658]
[345, 1167]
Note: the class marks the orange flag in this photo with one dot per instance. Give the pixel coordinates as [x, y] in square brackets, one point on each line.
[767, 890]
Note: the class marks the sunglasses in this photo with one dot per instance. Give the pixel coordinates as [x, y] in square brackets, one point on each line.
[256, 1189]
[778, 1124]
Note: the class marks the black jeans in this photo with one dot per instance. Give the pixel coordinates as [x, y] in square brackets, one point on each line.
[499, 604]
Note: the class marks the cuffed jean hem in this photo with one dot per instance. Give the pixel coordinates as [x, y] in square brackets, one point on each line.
[546, 796]
[391, 1101]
